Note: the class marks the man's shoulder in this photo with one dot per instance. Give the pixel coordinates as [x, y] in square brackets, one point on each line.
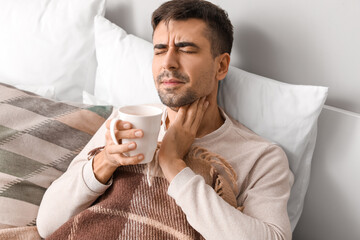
[252, 141]
[241, 131]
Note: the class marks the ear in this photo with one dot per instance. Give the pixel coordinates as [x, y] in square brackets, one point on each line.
[223, 62]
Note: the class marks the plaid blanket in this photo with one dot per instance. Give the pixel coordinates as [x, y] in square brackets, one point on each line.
[38, 139]
[130, 209]
[20, 233]
[134, 209]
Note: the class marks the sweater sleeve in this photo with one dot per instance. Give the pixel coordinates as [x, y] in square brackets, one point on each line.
[72, 192]
[265, 201]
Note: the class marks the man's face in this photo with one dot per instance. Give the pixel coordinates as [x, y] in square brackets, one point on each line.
[183, 67]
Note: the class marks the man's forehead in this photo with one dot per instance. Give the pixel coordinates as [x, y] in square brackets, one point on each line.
[189, 29]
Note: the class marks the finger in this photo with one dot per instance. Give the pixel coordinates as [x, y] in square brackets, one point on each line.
[130, 134]
[120, 125]
[124, 134]
[117, 153]
[109, 140]
[121, 148]
[181, 114]
[200, 114]
[122, 160]
[133, 160]
[192, 112]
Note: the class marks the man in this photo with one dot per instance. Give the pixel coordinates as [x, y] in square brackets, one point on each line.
[192, 43]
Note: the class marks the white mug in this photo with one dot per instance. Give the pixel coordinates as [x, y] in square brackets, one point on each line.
[144, 117]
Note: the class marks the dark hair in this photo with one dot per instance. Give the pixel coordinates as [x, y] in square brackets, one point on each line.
[220, 29]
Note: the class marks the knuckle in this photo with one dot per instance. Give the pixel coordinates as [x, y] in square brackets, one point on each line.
[118, 124]
[137, 160]
[126, 160]
[121, 134]
[110, 150]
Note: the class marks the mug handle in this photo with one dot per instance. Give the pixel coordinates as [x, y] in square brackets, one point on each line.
[112, 130]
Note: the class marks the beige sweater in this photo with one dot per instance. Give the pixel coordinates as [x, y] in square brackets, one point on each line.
[263, 178]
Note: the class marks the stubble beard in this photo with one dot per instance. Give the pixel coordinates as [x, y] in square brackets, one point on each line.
[175, 100]
[170, 96]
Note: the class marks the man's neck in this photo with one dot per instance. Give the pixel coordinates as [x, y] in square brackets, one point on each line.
[211, 121]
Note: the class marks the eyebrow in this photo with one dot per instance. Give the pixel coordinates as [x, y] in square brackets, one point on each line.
[160, 46]
[179, 45]
[186, 44]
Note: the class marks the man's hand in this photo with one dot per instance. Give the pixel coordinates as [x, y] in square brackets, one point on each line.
[106, 162]
[179, 137]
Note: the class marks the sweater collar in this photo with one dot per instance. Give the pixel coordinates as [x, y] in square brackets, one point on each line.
[218, 132]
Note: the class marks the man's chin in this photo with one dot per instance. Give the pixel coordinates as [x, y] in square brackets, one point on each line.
[175, 102]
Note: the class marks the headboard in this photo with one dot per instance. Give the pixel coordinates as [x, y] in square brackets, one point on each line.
[299, 42]
[331, 208]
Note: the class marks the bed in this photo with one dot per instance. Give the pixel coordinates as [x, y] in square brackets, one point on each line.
[67, 64]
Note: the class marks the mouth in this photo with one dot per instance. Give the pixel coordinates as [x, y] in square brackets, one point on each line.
[172, 82]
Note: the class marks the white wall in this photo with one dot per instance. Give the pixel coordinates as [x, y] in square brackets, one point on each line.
[303, 42]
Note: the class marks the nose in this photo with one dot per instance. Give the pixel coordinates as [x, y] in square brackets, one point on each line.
[171, 60]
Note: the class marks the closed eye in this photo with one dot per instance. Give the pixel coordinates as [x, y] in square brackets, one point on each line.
[187, 51]
[187, 47]
[158, 52]
[160, 48]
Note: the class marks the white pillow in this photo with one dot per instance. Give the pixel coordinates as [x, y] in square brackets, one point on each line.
[49, 43]
[45, 91]
[90, 99]
[283, 113]
[124, 73]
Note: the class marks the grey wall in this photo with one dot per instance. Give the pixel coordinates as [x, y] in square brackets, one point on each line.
[331, 208]
[302, 42]
[312, 42]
